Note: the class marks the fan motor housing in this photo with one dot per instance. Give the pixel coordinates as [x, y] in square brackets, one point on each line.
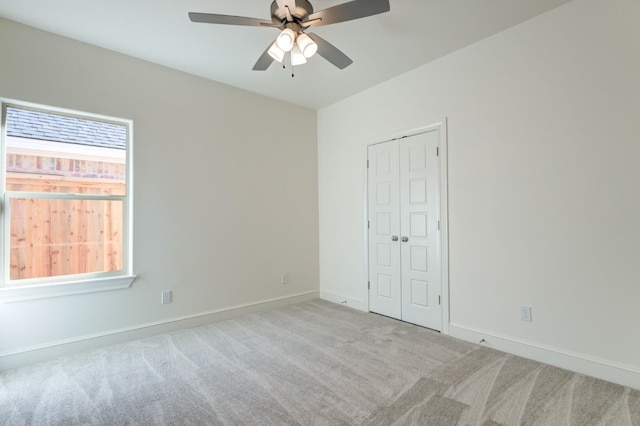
[303, 10]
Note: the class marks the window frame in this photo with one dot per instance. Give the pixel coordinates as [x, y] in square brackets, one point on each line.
[64, 285]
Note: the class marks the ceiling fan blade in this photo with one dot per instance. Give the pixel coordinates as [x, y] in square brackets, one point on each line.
[287, 9]
[264, 60]
[330, 52]
[307, 24]
[288, 14]
[290, 3]
[212, 18]
[349, 11]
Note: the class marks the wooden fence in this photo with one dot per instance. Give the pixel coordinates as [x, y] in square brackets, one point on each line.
[52, 237]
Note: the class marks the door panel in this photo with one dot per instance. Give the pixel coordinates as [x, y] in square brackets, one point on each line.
[419, 293]
[384, 223]
[419, 201]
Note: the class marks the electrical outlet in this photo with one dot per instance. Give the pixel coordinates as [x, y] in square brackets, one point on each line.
[165, 297]
[284, 278]
[525, 313]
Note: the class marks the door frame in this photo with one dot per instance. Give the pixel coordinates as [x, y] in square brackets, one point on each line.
[441, 127]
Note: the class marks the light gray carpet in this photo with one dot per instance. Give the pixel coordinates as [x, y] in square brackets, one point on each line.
[315, 363]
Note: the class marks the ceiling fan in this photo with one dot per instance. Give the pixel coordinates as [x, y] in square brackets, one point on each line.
[293, 18]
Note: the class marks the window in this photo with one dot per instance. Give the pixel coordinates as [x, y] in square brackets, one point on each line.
[66, 202]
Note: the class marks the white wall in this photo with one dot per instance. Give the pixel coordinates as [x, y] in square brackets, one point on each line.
[223, 200]
[544, 181]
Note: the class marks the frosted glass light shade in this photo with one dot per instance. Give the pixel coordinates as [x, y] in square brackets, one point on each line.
[276, 53]
[286, 39]
[306, 45]
[297, 58]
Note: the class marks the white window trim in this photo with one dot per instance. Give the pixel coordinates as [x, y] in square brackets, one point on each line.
[41, 288]
[68, 288]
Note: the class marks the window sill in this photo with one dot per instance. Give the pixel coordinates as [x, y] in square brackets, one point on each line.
[20, 294]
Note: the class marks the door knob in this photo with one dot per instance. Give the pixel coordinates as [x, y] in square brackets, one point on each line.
[405, 239]
[394, 238]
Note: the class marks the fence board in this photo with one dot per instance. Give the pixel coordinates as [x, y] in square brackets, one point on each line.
[63, 237]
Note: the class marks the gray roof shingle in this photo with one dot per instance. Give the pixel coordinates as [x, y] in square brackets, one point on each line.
[59, 128]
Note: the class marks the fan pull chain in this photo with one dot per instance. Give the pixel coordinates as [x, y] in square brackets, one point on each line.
[284, 66]
[291, 59]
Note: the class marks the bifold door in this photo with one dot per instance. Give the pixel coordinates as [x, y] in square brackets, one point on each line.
[404, 235]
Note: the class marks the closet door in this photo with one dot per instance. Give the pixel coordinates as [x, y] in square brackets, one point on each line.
[384, 229]
[404, 235]
[420, 236]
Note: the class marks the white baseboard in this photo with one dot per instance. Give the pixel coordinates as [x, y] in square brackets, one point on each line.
[343, 300]
[32, 354]
[590, 366]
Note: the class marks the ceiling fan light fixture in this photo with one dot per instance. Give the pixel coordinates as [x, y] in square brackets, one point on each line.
[292, 18]
[297, 58]
[286, 39]
[276, 53]
[307, 46]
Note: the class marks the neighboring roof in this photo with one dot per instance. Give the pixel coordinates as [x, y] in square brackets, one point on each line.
[59, 128]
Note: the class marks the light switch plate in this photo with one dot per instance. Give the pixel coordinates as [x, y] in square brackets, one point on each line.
[525, 313]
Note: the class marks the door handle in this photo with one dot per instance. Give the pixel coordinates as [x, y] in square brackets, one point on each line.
[394, 238]
[405, 239]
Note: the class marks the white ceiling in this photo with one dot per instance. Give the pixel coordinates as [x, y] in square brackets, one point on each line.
[413, 33]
